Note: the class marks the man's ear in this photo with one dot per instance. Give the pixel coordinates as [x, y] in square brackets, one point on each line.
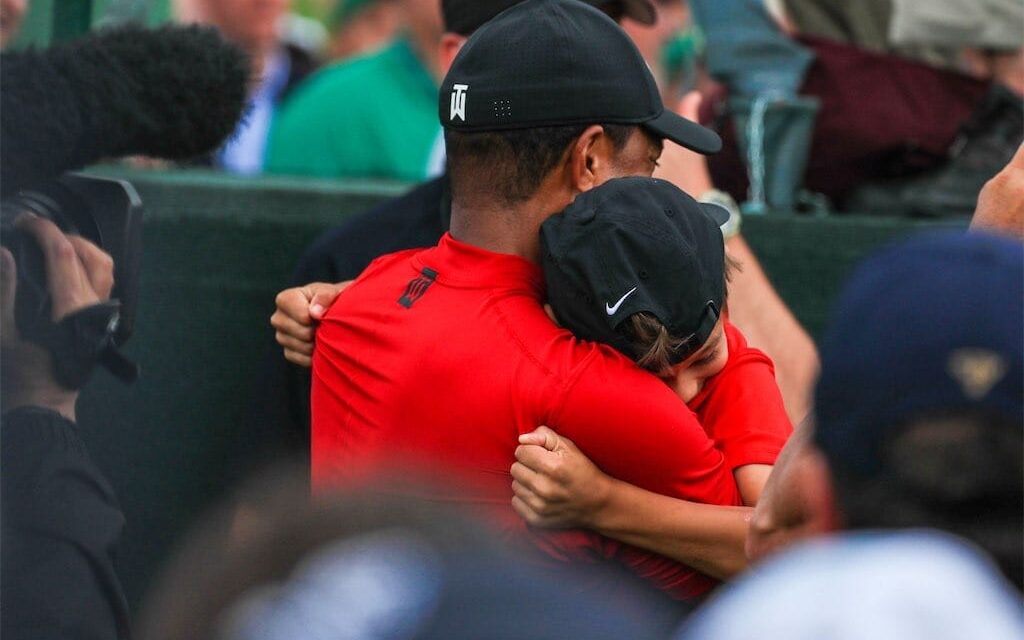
[449, 47]
[590, 158]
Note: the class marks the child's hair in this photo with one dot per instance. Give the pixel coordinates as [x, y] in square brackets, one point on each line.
[654, 341]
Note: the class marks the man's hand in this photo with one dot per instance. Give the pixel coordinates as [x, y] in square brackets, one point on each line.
[554, 484]
[685, 169]
[796, 502]
[298, 309]
[78, 274]
[1001, 201]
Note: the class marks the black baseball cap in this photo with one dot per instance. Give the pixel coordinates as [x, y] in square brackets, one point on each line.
[465, 16]
[558, 62]
[929, 325]
[631, 245]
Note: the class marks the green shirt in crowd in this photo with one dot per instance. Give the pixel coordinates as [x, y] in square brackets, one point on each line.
[370, 117]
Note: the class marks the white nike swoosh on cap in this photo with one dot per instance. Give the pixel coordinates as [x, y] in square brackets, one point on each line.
[611, 309]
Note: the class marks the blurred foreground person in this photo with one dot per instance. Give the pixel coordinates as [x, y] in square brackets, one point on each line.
[919, 409]
[919, 428]
[369, 565]
[911, 585]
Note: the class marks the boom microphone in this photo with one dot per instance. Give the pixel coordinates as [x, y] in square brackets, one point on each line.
[175, 92]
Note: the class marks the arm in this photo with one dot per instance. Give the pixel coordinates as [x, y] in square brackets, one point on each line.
[751, 480]
[1001, 201]
[637, 431]
[792, 506]
[768, 324]
[61, 521]
[754, 305]
[555, 485]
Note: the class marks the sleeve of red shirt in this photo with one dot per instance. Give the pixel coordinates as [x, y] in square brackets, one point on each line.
[742, 409]
[636, 429]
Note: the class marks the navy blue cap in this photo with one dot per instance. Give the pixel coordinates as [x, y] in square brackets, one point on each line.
[929, 325]
[545, 63]
[630, 245]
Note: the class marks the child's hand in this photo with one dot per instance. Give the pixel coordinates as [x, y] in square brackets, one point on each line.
[555, 485]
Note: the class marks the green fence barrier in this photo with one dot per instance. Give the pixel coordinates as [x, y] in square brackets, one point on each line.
[217, 249]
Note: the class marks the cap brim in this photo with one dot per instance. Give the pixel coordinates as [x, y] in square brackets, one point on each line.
[685, 132]
[718, 213]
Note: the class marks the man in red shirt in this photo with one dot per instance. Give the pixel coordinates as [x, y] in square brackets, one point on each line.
[444, 356]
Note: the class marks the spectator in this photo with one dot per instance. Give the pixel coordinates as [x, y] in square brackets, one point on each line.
[919, 408]
[360, 27]
[987, 37]
[478, 293]
[652, 36]
[277, 69]
[374, 565]
[61, 520]
[11, 14]
[1001, 201]
[374, 117]
[912, 585]
[855, 141]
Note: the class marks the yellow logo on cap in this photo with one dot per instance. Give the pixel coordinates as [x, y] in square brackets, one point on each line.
[977, 371]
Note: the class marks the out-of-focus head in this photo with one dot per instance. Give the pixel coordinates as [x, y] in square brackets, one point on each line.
[866, 586]
[670, 17]
[920, 404]
[374, 565]
[11, 14]
[555, 70]
[253, 24]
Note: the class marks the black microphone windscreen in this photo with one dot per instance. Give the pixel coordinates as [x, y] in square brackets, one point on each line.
[175, 92]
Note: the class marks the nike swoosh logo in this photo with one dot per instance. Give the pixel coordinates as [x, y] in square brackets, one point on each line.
[611, 309]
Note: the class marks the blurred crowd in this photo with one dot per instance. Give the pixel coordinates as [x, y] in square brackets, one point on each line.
[845, 92]
[707, 471]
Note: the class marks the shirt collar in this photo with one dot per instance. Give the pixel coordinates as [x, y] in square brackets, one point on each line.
[466, 266]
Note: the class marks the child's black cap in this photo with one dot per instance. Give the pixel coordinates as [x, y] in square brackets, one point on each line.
[632, 245]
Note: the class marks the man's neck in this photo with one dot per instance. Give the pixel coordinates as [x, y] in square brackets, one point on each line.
[511, 230]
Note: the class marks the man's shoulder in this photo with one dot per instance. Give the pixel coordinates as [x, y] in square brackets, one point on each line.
[410, 221]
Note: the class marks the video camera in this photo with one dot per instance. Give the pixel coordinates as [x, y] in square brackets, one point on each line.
[174, 93]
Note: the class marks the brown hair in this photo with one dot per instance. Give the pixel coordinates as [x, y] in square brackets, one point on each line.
[653, 340]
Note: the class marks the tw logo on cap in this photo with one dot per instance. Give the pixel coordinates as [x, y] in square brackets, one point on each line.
[458, 109]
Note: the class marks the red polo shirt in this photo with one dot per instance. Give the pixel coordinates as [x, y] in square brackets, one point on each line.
[741, 407]
[445, 356]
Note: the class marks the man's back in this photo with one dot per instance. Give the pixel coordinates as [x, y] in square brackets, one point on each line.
[445, 356]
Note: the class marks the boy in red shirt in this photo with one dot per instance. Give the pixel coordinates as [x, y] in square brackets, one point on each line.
[659, 269]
